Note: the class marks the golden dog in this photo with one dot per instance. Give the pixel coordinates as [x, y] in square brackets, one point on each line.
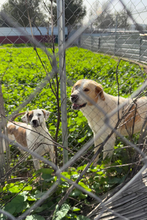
[131, 116]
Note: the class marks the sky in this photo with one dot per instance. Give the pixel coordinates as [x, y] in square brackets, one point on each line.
[138, 8]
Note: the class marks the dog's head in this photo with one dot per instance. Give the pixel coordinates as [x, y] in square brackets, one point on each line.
[35, 117]
[85, 92]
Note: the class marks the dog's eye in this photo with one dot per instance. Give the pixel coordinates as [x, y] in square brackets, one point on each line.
[76, 87]
[39, 114]
[30, 116]
[86, 90]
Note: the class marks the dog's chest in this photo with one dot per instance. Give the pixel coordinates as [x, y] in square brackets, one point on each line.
[37, 136]
[95, 119]
[39, 140]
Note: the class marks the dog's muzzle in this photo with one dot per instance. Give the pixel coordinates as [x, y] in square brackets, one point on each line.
[35, 123]
[74, 98]
[75, 106]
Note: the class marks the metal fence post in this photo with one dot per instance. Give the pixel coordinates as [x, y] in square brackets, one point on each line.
[3, 166]
[91, 42]
[115, 44]
[61, 42]
[99, 43]
[140, 52]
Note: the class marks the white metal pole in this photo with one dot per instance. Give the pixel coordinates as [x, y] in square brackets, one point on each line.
[61, 42]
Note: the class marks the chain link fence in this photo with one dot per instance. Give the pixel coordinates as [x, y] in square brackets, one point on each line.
[46, 47]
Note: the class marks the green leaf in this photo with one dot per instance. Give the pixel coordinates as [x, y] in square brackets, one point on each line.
[59, 214]
[45, 171]
[10, 208]
[41, 208]
[34, 217]
[47, 177]
[75, 193]
[15, 188]
[39, 194]
[81, 167]
[17, 205]
[84, 186]
[27, 188]
[46, 174]
[31, 198]
[75, 209]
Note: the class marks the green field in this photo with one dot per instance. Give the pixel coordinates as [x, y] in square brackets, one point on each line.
[21, 72]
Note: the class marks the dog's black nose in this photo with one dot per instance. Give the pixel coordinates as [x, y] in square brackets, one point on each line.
[74, 98]
[35, 123]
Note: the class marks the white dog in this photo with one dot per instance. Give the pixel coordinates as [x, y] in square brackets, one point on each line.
[131, 117]
[34, 135]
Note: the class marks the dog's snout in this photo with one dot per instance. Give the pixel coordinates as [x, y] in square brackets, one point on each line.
[74, 98]
[35, 123]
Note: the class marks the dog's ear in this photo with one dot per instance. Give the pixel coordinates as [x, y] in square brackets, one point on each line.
[72, 89]
[46, 113]
[24, 118]
[99, 91]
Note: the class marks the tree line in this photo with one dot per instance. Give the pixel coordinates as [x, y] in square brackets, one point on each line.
[38, 13]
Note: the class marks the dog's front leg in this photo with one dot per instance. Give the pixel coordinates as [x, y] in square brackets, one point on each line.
[97, 144]
[109, 147]
[52, 154]
[36, 163]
